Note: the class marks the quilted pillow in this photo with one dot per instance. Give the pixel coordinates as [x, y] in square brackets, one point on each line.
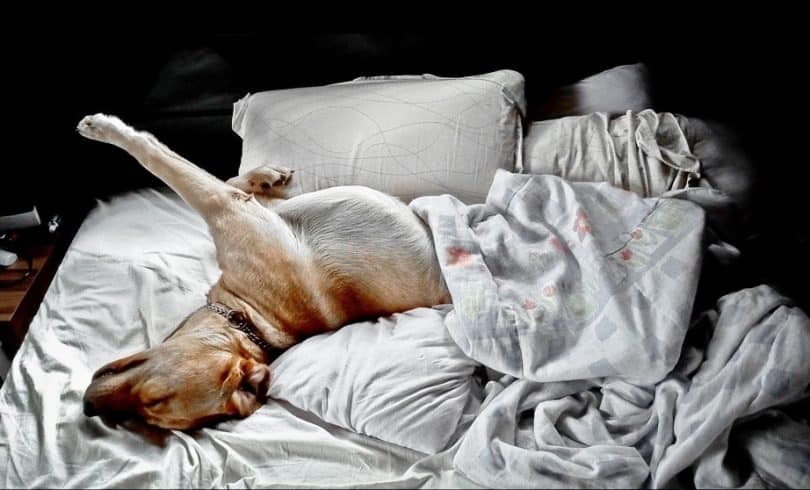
[407, 136]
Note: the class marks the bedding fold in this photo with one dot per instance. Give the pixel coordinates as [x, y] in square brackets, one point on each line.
[578, 297]
[554, 280]
[139, 264]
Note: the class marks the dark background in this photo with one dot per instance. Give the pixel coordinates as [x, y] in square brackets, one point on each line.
[180, 83]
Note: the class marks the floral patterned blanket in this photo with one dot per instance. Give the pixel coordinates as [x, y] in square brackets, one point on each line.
[554, 280]
[578, 298]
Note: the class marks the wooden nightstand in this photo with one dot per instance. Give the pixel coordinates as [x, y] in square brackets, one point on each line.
[20, 301]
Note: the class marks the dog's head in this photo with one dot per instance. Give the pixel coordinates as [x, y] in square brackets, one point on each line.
[201, 374]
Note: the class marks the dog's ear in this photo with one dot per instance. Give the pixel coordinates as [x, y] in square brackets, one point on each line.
[254, 386]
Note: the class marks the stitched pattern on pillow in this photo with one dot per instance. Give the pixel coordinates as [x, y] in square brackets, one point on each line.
[407, 136]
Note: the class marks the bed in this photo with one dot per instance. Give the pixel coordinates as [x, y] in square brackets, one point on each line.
[586, 346]
[150, 245]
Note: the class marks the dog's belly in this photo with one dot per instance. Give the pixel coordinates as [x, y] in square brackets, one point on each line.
[377, 255]
[358, 254]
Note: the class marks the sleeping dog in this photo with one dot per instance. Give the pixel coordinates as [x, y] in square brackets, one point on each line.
[291, 267]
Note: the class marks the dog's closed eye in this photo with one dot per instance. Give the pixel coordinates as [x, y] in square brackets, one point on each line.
[154, 403]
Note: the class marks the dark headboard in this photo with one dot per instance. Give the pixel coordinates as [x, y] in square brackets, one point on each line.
[180, 85]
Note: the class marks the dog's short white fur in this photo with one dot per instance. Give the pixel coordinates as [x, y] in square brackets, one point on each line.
[295, 266]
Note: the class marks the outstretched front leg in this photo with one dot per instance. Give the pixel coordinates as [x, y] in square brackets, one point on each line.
[208, 195]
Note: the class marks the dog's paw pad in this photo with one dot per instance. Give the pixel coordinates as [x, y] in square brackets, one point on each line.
[265, 178]
[278, 176]
[100, 127]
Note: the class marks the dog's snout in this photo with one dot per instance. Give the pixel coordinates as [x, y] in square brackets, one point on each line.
[103, 372]
[119, 366]
[89, 408]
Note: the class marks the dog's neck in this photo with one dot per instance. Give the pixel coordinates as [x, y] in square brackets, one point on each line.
[264, 326]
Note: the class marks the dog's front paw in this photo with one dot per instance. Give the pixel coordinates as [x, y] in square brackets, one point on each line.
[101, 127]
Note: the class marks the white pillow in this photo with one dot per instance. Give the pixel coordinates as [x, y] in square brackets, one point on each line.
[400, 379]
[407, 136]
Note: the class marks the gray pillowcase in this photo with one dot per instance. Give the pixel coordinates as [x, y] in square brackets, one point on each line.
[724, 162]
[612, 91]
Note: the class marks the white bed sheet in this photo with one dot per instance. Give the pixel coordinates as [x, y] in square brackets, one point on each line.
[108, 300]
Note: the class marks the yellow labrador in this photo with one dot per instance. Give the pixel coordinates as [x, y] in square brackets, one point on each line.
[291, 268]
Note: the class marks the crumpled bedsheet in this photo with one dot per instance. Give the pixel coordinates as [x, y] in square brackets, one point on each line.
[138, 265]
[578, 297]
[647, 398]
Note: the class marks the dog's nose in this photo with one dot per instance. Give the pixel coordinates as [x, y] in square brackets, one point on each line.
[89, 408]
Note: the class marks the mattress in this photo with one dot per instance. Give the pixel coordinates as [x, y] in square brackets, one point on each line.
[140, 262]
[591, 386]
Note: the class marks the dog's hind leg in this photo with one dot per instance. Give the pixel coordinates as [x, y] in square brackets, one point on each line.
[269, 184]
[202, 191]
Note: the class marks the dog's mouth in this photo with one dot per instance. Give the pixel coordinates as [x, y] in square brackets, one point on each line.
[127, 419]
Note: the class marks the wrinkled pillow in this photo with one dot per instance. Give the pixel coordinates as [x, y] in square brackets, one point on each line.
[647, 152]
[614, 91]
[407, 136]
[400, 379]
[651, 154]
